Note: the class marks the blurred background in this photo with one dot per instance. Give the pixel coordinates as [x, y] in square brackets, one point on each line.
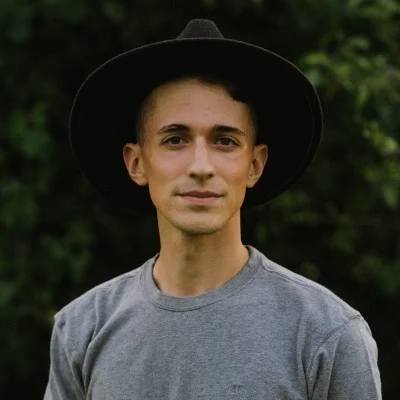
[339, 225]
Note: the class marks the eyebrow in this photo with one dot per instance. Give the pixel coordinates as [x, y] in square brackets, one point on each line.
[218, 128]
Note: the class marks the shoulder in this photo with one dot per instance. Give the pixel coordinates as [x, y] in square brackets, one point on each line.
[338, 345]
[79, 321]
[320, 317]
[316, 306]
[89, 298]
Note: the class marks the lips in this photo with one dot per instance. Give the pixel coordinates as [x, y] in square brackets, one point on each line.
[196, 193]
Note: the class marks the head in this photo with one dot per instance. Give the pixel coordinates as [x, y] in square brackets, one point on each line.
[195, 133]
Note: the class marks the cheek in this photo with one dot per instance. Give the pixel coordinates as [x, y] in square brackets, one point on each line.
[163, 170]
[168, 166]
[234, 169]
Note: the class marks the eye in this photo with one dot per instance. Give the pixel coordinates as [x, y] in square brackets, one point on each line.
[229, 139]
[172, 137]
[178, 138]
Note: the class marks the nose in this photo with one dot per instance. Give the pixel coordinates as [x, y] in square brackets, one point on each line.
[200, 165]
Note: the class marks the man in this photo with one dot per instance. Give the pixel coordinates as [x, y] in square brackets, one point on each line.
[207, 317]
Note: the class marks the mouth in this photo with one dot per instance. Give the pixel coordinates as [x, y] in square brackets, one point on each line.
[208, 200]
[198, 193]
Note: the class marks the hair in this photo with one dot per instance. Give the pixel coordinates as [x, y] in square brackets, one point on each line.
[236, 90]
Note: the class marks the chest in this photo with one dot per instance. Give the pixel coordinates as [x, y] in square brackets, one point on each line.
[195, 356]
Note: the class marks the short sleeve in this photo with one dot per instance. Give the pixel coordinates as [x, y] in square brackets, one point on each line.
[345, 366]
[65, 381]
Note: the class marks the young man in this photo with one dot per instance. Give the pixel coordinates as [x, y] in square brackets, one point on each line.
[207, 317]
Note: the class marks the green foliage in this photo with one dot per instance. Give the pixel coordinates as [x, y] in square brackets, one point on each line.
[339, 225]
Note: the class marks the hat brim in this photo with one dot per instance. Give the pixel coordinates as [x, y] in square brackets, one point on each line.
[103, 112]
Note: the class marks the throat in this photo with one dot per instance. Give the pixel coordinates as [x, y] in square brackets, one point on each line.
[190, 277]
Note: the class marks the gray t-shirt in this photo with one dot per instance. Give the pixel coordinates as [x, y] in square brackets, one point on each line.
[267, 333]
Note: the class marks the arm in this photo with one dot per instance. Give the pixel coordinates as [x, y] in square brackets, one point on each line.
[345, 366]
[64, 377]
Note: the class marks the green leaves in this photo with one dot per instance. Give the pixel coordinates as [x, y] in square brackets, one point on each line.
[27, 133]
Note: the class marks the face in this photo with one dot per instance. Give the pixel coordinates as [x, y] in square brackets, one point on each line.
[197, 138]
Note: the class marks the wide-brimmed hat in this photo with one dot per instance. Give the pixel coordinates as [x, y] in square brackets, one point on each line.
[103, 114]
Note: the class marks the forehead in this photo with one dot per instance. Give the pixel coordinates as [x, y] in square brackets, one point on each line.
[193, 99]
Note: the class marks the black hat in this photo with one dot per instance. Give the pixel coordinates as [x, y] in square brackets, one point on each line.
[103, 114]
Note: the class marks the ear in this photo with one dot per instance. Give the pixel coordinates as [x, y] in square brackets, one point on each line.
[133, 159]
[260, 157]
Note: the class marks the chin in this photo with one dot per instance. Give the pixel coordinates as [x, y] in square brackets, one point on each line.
[201, 224]
[199, 230]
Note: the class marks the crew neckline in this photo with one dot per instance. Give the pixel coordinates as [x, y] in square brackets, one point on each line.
[165, 301]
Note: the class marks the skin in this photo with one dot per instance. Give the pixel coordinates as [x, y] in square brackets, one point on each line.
[201, 245]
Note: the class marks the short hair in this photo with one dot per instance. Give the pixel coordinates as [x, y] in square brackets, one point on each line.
[237, 91]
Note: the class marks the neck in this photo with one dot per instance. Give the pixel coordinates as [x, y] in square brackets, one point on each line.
[192, 264]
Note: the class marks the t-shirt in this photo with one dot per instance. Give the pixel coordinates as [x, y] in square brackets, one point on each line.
[267, 333]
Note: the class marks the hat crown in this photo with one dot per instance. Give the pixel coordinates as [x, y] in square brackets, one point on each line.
[200, 28]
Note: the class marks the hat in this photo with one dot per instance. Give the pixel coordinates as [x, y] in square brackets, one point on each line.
[102, 119]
